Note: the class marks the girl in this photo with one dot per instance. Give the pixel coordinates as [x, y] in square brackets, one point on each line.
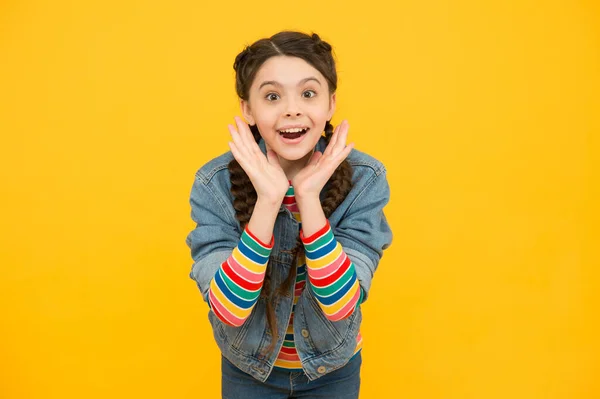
[290, 229]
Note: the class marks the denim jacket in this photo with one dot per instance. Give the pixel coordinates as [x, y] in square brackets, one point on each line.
[358, 224]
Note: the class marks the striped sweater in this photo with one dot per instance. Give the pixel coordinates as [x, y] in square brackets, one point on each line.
[331, 276]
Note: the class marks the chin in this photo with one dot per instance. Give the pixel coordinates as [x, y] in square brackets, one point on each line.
[292, 156]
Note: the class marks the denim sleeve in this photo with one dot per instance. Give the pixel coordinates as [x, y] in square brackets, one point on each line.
[215, 236]
[364, 232]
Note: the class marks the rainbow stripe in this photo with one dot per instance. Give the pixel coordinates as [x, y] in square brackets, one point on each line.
[331, 274]
[237, 284]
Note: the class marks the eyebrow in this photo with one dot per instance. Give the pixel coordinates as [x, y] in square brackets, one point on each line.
[274, 83]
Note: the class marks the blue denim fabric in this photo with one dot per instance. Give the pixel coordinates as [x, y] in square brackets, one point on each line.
[358, 224]
[343, 383]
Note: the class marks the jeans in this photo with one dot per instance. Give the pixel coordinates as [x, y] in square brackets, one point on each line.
[343, 383]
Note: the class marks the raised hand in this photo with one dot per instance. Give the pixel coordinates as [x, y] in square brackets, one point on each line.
[265, 173]
[309, 182]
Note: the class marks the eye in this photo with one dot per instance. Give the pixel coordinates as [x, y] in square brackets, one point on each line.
[272, 96]
[309, 94]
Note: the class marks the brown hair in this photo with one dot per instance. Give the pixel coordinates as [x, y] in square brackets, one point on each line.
[318, 54]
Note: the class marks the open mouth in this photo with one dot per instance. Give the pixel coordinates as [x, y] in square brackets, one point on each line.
[293, 133]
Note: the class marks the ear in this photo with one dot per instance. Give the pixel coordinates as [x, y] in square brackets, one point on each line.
[331, 107]
[247, 112]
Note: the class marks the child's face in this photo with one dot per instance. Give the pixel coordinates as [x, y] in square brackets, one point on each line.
[288, 92]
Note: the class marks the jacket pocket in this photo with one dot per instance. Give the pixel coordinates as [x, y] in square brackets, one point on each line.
[324, 335]
[227, 336]
[218, 330]
[242, 331]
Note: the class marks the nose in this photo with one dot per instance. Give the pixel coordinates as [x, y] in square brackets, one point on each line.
[292, 109]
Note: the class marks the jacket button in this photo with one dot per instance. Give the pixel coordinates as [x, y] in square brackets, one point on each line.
[305, 333]
[321, 369]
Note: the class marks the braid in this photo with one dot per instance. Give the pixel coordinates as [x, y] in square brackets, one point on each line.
[242, 189]
[245, 197]
[339, 184]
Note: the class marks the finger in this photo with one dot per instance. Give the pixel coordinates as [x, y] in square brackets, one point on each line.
[273, 158]
[246, 134]
[242, 141]
[314, 159]
[334, 161]
[345, 152]
[342, 136]
[331, 141]
[242, 150]
[236, 154]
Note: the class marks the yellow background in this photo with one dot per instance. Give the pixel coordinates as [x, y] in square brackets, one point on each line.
[485, 114]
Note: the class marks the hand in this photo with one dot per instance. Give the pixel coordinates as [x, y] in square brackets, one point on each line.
[309, 182]
[265, 173]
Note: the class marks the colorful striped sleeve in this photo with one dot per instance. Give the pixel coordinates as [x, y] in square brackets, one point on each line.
[331, 274]
[236, 286]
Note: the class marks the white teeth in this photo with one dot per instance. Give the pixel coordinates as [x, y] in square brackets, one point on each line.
[294, 130]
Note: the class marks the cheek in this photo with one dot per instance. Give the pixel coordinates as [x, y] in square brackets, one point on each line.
[265, 117]
[264, 126]
[321, 110]
[320, 115]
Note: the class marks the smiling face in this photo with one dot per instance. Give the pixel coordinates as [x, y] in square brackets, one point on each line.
[289, 102]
